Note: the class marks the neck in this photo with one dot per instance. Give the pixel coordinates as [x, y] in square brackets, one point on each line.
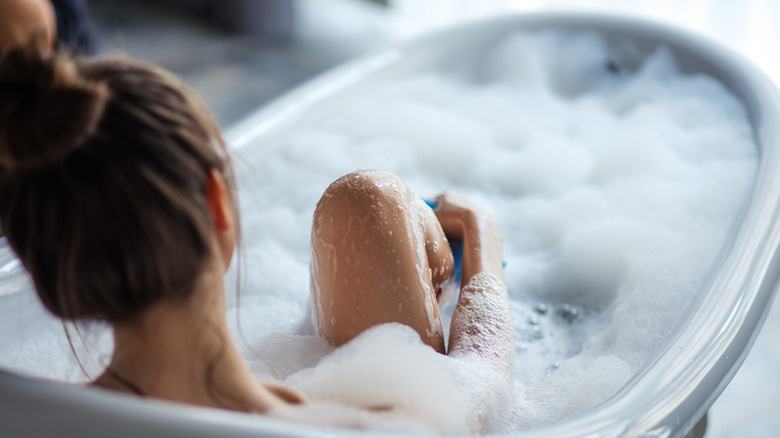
[182, 351]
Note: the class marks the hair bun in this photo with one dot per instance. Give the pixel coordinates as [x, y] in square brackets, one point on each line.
[46, 108]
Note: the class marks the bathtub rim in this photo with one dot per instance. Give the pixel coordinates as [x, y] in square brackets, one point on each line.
[667, 413]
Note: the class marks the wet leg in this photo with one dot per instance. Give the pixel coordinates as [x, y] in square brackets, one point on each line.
[378, 255]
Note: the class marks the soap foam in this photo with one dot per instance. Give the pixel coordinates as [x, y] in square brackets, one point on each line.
[615, 186]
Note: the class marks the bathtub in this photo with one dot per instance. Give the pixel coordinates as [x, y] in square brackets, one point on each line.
[667, 398]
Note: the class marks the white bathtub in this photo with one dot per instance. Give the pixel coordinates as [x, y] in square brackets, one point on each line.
[665, 399]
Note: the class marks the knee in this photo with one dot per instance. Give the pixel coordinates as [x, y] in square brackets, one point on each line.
[367, 185]
[362, 192]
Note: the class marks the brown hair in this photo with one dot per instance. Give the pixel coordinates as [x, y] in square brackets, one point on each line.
[103, 179]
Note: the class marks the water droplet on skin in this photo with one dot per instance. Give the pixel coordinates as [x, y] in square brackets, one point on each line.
[333, 320]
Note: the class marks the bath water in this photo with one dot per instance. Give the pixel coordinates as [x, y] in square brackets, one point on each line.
[615, 187]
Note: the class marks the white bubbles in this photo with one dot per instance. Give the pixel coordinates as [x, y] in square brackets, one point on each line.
[387, 367]
[578, 383]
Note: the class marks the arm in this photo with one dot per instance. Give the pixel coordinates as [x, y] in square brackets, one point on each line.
[481, 325]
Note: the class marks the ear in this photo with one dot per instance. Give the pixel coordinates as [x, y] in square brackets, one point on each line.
[219, 199]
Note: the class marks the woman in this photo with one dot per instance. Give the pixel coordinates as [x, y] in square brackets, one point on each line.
[117, 194]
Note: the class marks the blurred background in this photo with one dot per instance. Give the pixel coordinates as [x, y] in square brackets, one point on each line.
[240, 54]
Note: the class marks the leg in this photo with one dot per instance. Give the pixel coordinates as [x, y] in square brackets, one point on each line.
[378, 255]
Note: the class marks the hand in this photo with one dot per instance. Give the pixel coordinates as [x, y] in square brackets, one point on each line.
[481, 237]
[457, 216]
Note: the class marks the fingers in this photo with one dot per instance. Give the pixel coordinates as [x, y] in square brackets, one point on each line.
[482, 246]
[456, 215]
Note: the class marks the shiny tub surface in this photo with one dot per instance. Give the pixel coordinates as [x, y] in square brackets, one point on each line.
[666, 399]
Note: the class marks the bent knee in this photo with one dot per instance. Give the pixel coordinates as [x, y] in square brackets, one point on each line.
[362, 192]
[367, 185]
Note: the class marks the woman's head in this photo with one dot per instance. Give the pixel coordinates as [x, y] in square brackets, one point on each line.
[105, 172]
